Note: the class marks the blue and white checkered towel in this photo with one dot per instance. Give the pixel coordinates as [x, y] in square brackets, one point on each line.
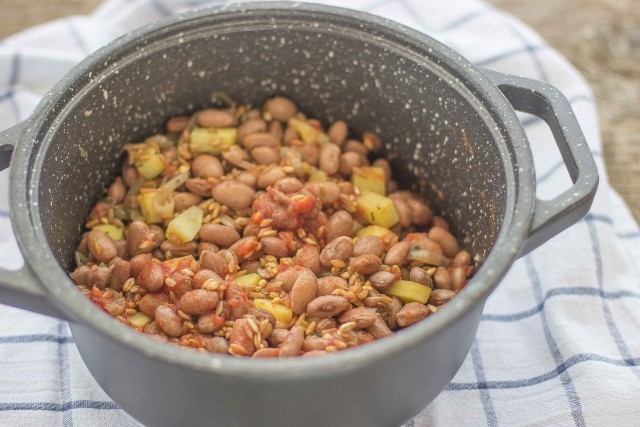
[559, 342]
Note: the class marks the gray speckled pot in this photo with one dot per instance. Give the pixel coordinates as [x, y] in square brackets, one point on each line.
[449, 128]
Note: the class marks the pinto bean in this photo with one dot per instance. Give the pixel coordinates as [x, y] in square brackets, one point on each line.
[275, 129]
[203, 276]
[442, 279]
[458, 278]
[168, 320]
[328, 284]
[462, 259]
[173, 250]
[184, 284]
[398, 253]
[260, 139]
[421, 214]
[340, 224]
[338, 132]
[101, 246]
[199, 186]
[393, 308]
[288, 185]
[241, 338]
[328, 306]
[237, 300]
[277, 336]
[411, 313]
[209, 323]
[366, 264]
[254, 125]
[245, 248]
[346, 187]
[198, 301]
[288, 277]
[207, 246]
[177, 124]
[117, 191]
[267, 352]
[261, 314]
[270, 176]
[184, 200]
[369, 245]
[234, 194]
[207, 166]
[304, 290]
[309, 153]
[139, 238]
[212, 118]
[440, 297]
[446, 241]
[340, 248]
[265, 155]
[150, 302]
[138, 263]
[274, 246]
[326, 323]
[355, 146]
[251, 266]
[217, 345]
[248, 178]
[329, 159]
[420, 275]
[379, 329]
[381, 280]
[363, 317]
[151, 278]
[129, 174]
[348, 161]
[98, 277]
[120, 274]
[292, 343]
[219, 234]
[308, 257]
[363, 337]
[327, 192]
[280, 108]
[313, 343]
[405, 216]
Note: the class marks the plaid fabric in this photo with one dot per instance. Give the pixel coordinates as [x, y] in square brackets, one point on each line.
[558, 342]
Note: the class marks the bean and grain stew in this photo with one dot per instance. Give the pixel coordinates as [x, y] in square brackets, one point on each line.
[257, 232]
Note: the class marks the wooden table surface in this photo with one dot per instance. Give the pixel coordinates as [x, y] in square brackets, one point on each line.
[600, 37]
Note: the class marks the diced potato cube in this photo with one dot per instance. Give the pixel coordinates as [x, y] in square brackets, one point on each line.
[116, 233]
[377, 209]
[185, 227]
[139, 320]
[408, 291]
[281, 312]
[150, 164]
[307, 133]
[212, 141]
[318, 176]
[388, 237]
[369, 178]
[356, 227]
[145, 200]
[251, 279]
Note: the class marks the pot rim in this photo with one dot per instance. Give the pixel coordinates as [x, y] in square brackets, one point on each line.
[520, 199]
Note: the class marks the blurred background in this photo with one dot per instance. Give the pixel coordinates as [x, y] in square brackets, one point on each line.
[600, 37]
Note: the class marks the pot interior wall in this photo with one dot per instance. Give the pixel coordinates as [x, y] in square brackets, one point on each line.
[440, 141]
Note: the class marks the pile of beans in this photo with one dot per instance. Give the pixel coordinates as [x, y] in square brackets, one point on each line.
[249, 232]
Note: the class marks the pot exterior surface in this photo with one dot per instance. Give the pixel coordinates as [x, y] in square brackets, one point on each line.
[384, 393]
[447, 131]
